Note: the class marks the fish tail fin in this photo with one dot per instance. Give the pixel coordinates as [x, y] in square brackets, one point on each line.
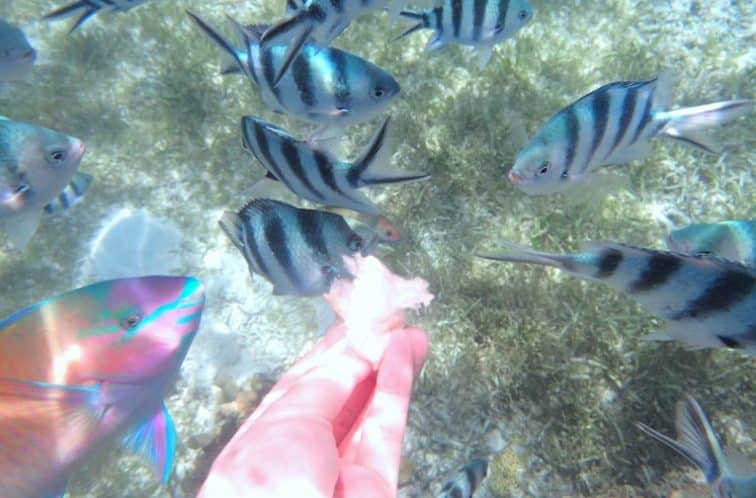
[522, 254]
[689, 123]
[224, 43]
[420, 17]
[232, 226]
[68, 10]
[72, 194]
[696, 439]
[377, 152]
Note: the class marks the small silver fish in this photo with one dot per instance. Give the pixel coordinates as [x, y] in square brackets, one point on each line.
[480, 23]
[467, 480]
[326, 86]
[613, 125]
[313, 173]
[300, 251]
[37, 167]
[706, 302]
[697, 442]
[17, 56]
[89, 8]
[318, 22]
[733, 240]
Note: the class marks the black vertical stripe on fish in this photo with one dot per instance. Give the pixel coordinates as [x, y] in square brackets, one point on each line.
[301, 71]
[337, 5]
[317, 13]
[645, 118]
[344, 91]
[609, 260]
[456, 16]
[659, 268]
[324, 166]
[600, 113]
[722, 294]
[472, 477]
[572, 129]
[262, 143]
[628, 109]
[438, 13]
[294, 160]
[501, 19]
[253, 246]
[312, 230]
[275, 236]
[479, 14]
[63, 198]
[269, 72]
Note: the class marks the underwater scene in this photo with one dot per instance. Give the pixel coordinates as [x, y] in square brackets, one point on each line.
[357, 249]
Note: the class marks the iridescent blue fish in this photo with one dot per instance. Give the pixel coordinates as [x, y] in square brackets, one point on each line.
[17, 56]
[467, 480]
[313, 173]
[733, 240]
[88, 8]
[697, 442]
[706, 302]
[85, 368]
[479, 23]
[326, 86]
[300, 251]
[614, 125]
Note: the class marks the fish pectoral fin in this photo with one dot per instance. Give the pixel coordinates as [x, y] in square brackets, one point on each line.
[155, 439]
[484, 55]
[20, 227]
[638, 151]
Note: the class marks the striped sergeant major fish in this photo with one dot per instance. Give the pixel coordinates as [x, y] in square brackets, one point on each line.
[318, 22]
[300, 251]
[88, 8]
[733, 240]
[327, 86]
[706, 302]
[728, 473]
[480, 23]
[313, 173]
[613, 125]
[467, 480]
[38, 174]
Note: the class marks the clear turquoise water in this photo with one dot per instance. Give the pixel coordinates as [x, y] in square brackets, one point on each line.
[547, 365]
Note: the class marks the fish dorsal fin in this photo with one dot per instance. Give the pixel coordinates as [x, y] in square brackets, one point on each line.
[233, 227]
[663, 91]
[155, 439]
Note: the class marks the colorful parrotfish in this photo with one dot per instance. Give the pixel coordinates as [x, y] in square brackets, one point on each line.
[85, 367]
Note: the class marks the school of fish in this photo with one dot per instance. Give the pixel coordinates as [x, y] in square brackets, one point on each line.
[91, 366]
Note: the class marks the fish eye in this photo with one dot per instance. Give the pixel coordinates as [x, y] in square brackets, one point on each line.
[56, 156]
[377, 93]
[543, 169]
[355, 243]
[131, 321]
[523, 14]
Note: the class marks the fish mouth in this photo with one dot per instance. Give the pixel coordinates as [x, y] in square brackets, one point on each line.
[30, 55]
[515, 178]
[78, 148]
